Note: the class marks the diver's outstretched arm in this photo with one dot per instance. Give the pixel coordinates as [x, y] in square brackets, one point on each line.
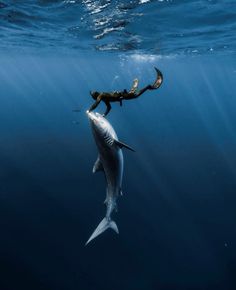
[108, 108]
[94, 105]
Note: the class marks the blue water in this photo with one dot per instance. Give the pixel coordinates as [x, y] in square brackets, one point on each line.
[155, 26]
[177, 217]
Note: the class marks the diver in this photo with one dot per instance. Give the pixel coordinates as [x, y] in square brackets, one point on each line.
[119, 96]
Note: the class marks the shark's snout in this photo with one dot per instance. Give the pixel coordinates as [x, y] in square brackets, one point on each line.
[91, 116]
[94, 117]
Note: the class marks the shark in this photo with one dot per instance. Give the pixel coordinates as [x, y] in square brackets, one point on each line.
[110, 161]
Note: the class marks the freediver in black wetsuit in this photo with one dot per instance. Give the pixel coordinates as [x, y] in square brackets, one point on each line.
[119, 96]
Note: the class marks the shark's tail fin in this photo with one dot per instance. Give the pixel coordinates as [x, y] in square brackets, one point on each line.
[104, 225]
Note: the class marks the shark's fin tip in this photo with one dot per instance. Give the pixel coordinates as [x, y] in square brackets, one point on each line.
[121, 145]
[102, 227]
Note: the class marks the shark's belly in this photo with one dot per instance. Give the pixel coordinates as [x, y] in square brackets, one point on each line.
[113, 167]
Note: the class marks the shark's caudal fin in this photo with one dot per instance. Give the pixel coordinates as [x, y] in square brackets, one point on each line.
[104, 225]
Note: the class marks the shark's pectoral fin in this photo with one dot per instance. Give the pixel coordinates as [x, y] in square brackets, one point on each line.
[121, 145]
[98, 166]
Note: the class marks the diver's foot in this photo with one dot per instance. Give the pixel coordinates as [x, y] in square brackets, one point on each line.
[152, 88]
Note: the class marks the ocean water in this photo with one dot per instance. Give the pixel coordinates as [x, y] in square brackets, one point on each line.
[177, 217]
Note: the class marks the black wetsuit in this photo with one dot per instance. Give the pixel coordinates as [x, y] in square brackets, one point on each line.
[119, 96]
[107, 98]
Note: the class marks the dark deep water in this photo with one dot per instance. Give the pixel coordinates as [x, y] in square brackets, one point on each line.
[177, 218]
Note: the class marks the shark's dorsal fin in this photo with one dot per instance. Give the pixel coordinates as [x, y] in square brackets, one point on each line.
[121, 145]
[98, 166]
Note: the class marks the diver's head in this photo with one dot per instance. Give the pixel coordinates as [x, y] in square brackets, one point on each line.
[94, 94]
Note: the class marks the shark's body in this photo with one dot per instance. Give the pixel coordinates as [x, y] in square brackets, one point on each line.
[110, 161]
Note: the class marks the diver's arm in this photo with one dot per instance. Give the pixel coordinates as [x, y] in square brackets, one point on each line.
[108, 108]
[94, 105]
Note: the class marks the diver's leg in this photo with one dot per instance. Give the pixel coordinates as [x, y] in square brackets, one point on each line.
[140, 92]
[94, 106]
[134, 86]
[108, 108]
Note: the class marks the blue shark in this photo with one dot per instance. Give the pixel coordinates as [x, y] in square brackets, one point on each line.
[110, 160]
